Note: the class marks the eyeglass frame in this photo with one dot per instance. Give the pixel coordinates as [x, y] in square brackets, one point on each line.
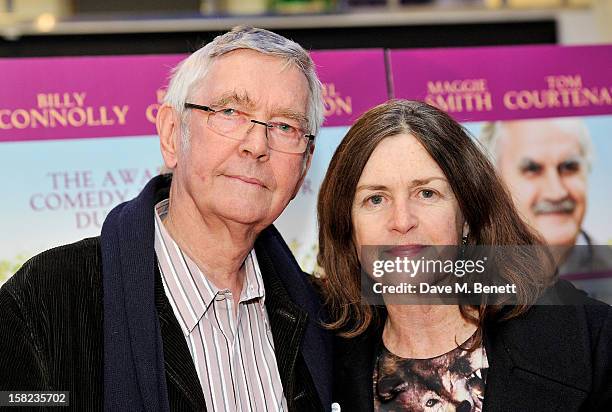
[209, 109]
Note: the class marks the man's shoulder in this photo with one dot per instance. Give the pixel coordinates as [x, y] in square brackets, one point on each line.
[52, 311]
[58, 271]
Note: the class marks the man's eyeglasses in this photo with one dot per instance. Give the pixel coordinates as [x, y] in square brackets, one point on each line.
[235, 124]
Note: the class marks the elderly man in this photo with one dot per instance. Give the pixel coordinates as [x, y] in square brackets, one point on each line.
[545, 163]
[190, 299]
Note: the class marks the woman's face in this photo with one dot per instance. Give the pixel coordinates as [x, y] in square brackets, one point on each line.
[404, 199]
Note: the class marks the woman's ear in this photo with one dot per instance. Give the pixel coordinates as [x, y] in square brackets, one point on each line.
[466, 230]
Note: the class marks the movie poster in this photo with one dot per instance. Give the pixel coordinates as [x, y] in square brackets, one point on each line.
[77, 137]
[544, 116]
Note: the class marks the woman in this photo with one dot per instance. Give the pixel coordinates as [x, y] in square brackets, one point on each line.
[407, 175]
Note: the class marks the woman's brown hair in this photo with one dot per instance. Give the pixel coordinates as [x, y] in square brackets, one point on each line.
[482, 198]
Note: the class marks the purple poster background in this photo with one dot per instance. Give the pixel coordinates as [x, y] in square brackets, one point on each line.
[353, 82]
[84, 97]
[68, 98]
[80, 130]
[501, 83]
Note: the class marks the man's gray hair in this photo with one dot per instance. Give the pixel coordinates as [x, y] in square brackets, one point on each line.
[492, 132]
[186, 76]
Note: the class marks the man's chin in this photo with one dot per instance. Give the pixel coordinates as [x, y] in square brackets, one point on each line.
[241, 216]
[244, 212]
[557, 231]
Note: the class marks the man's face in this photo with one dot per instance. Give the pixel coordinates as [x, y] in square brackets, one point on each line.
[243, 180]
[544, 168]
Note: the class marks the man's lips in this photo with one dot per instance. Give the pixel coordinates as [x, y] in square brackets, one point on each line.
[246, 179]
[555, 213]
[563, 207]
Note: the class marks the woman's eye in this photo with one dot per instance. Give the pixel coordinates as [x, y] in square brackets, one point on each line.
[375, 200]
[427, 194]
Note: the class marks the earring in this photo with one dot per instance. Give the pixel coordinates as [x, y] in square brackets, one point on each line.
[463, 243]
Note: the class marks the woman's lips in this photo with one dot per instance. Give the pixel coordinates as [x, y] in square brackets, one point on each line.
[405, 250]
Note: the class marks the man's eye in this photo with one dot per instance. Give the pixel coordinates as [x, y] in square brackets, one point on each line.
[285, 128]
[531, 167]
[569, 166]
[228, 111]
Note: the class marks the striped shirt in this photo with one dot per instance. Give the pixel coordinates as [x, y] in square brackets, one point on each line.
[232, 350]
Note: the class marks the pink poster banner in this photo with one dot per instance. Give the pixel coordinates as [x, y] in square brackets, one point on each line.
[353, 81]
[502, 83]
[83, 97]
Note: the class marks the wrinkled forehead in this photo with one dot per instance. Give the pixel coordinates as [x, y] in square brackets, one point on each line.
[538, 140]
[252, 79]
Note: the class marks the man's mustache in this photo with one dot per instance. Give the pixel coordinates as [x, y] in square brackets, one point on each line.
[546, 206]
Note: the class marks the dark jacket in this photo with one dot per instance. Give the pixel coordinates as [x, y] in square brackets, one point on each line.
[64, 327]
[552, 358]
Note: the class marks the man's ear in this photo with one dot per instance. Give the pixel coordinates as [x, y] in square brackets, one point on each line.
[168, 129]
[305, 167]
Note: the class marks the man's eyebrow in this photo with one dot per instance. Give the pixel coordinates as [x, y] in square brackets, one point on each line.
[246, 103]
[242, 100]
[413, 183]
[291, 114]
[573, 158]
[527, 161]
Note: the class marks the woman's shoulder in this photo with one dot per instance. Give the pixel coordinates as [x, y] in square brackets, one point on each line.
[563, 311]
[564, 324]
[566, 304]
[565, 338]
[563, 292]
[348, 338]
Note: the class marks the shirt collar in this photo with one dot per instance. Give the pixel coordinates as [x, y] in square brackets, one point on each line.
[198, 293]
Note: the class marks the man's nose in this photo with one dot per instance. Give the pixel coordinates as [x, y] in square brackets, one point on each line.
[554, 186]
[255, 143]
